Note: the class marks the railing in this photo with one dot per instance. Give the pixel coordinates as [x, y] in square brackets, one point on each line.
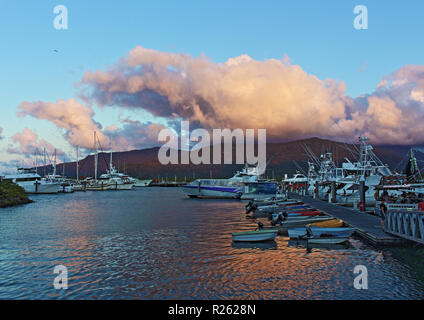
[406, 224]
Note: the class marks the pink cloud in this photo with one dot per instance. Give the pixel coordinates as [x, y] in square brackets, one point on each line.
[29, 144]
[272, 94]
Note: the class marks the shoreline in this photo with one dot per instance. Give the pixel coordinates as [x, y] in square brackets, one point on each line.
[12, 195]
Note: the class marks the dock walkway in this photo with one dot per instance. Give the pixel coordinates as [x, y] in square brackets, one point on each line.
[366, 225]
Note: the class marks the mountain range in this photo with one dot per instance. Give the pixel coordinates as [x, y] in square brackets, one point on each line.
[283, 158]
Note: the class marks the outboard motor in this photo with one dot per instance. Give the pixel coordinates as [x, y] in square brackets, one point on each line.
[252, 208]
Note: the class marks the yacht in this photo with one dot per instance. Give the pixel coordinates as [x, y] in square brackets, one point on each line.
[231, 188]
[32, 182]
[115, 179]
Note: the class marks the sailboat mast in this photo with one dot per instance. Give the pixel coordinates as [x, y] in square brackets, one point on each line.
[110, 163]
[44, 161]
[95, 158]
[54, 163]
[77, 165]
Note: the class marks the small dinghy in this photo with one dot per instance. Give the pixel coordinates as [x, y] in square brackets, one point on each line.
[297, 233]
[255, 236]
[327, 240]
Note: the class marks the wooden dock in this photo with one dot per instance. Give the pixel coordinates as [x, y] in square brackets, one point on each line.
[367, 226]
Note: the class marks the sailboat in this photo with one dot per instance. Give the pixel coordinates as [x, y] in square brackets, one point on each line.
[94, 184]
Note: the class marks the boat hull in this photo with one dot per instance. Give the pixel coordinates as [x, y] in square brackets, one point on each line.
[327, 240]
[39, 188]
[142, 183]
[125, 186]
[297, 233]
[254, 236]
[212, 192]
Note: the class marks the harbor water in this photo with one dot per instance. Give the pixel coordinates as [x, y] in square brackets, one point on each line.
[155, 243]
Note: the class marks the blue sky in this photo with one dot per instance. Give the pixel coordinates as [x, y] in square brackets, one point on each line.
[317, 35]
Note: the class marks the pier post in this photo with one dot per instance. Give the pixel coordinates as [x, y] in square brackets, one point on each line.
[362, 194]
[333, 191]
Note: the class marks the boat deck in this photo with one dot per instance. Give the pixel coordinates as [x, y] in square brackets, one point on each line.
[366, 226]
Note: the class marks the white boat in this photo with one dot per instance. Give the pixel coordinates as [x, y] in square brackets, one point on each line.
[327, 240]
[116, 180]
[142, 183]
[231, 188]
[255, 236]
[32, 182]
[297, 233]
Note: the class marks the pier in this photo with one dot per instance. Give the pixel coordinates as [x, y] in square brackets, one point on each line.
[367, 226]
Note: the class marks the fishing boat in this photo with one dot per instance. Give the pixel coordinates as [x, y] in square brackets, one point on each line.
[259, 189]
[254, 236]
[231, 188]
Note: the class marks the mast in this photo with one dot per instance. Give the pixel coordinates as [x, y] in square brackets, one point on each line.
[44, 161]
[95, 158]
[54, 164]
[110, 163]
[77, 165]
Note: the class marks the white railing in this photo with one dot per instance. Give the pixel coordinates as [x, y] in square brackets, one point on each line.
[406, 224]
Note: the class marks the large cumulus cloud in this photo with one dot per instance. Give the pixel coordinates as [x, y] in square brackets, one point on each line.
[271, 94]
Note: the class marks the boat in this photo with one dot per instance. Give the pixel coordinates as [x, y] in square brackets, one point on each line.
[32, 182]
[327, 240]
[333, 223]
[231, 188]
[116, 180]
[296, 233]
[259, 189]
[142, 183]
[254, 236]
[291, 223]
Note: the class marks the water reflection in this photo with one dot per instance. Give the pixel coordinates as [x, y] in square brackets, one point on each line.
[255, 245]
[156, 244]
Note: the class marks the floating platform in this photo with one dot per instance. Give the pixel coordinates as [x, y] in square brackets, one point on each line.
[366, 225]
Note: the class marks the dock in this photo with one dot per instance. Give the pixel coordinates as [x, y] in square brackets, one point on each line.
[366, 226]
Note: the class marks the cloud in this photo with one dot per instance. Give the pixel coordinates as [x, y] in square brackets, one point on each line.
[1, 130]
[76, 119]
[239, 93]
[272, 94]
[29, 144]
[133, 135]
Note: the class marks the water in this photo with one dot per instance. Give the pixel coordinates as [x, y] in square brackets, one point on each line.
[155, 243]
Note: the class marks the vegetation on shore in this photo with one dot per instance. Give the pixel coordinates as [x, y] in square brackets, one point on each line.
[12, 194]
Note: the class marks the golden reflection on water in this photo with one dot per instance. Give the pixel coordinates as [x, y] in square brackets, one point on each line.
[136, 245]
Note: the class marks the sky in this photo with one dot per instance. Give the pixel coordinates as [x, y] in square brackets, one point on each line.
[128, 69]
